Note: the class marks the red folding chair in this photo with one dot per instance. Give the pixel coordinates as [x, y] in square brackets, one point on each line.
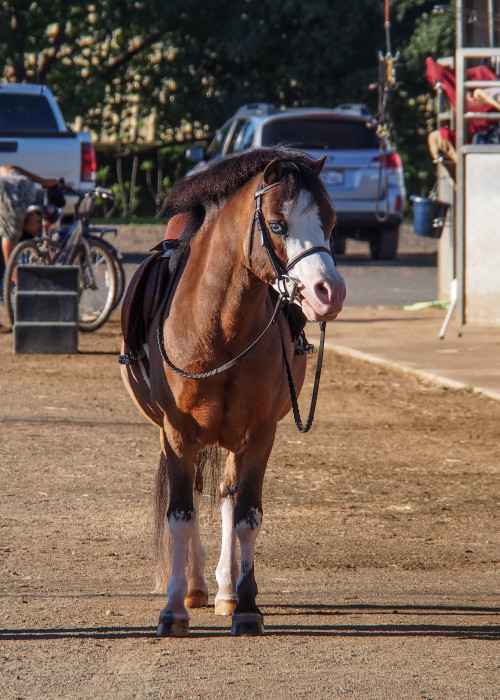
[446, 78]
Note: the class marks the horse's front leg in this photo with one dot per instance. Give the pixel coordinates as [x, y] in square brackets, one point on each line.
[247, 619]
[181, 516]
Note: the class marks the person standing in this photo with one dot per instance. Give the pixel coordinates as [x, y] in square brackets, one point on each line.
[17, 193]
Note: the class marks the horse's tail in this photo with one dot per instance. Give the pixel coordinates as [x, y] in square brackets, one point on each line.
[209, 469]
[209, 472]
[162, 541]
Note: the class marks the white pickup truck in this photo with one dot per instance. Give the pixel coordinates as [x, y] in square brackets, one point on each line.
[34, 136]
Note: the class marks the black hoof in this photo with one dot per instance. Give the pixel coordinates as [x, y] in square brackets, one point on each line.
[247, 625]
[168, 626]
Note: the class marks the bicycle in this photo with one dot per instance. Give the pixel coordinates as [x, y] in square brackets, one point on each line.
[99, 231]
[97, 260]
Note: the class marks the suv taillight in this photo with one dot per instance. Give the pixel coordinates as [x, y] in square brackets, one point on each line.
[89, 163]
[389, 160]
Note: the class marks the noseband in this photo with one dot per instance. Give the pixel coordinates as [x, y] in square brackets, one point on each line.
[280, 269]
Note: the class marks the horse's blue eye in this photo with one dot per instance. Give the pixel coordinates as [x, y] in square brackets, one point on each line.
[278, 228]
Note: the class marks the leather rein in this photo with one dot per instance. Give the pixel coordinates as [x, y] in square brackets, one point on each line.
[280, 270]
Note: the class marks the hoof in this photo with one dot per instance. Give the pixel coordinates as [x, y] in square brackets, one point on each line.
[225, 607]
[196, 599]
[168, 626]
[247, 625]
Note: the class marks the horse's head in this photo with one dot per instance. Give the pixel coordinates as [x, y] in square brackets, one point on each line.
[296, 219]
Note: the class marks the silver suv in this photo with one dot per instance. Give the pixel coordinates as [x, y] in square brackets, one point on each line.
[363, 175]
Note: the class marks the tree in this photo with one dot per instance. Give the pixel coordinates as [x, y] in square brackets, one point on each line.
[94, 56]
[197, 62]
[193, 63]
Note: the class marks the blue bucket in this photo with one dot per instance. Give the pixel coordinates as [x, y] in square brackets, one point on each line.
[428, 216]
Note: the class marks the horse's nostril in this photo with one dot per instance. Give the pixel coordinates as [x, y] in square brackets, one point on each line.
[322, 291]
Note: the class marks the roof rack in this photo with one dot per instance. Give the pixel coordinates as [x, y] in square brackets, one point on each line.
[257, 108]
[354, 108]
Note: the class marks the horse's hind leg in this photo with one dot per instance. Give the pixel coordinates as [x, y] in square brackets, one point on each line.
[197, 596]
[227, 571]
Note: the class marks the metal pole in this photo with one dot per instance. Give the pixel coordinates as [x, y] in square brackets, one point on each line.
[387, 27]
[460, 166]
[491, 30]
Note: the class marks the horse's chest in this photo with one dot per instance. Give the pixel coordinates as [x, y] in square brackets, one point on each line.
[231, 409]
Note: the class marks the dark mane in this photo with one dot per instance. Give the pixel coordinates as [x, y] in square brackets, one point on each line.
[197, 192]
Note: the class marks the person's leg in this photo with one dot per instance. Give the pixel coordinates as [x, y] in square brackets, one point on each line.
[438, 145]
[7, 248]
[6, 251]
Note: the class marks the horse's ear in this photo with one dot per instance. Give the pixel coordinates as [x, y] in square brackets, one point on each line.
[317, 166]
[273, 172]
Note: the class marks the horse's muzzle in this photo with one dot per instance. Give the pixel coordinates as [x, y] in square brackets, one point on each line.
[324, 300]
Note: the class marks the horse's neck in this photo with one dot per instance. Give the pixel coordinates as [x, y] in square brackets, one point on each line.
[216, 288]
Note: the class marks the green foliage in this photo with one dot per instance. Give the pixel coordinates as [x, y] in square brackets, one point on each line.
[195, 63]
[139, 178]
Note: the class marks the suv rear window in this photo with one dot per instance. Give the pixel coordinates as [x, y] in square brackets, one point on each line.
[320, 133]
[25, 113]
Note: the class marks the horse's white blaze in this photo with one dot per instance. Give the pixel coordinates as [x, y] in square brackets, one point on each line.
[227, 569]
[181, 529]
[318, 280]
[196, 555]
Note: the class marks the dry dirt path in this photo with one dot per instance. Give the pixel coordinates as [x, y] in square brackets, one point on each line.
[378, 563]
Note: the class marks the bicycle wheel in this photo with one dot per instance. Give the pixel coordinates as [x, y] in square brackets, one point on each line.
[25, 253]
[120, 281]
[120, 272]
[97, 284]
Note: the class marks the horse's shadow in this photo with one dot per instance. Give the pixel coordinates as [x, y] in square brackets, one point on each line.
[406, 623]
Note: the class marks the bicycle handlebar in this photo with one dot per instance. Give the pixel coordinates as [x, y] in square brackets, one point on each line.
[56, 195]
[94, 192]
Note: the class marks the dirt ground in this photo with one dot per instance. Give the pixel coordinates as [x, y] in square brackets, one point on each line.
[378, 563]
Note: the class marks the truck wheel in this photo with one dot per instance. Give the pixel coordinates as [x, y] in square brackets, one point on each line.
[384, 244]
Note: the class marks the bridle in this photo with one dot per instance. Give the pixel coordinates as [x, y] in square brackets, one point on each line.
[280, 270]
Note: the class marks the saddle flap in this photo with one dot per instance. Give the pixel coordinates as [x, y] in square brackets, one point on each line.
[148, 289]
[132, 320]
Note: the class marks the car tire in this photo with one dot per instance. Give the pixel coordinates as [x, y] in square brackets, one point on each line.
[384, 243]
[339, 245]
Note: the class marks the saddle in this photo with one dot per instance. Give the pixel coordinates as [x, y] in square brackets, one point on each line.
[147, 291]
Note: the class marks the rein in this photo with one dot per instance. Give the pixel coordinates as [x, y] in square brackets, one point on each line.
[293, 394]
[280, 271]
[211, 373]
